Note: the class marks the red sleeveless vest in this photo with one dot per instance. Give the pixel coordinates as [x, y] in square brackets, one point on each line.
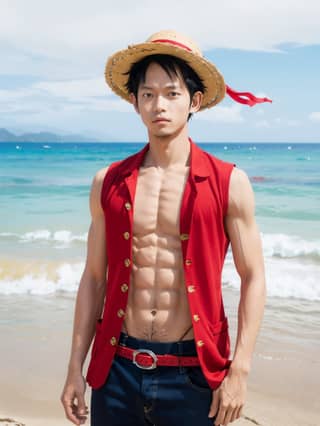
[203, 243]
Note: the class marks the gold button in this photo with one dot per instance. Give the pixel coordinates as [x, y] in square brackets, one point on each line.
[124, 288]
[184, 237]
[127, 206]
[113, 341]
[191, 288]
[196, 317]
[188, 262]
[200, 343]
[126, 235]
[127, 262]
[120, 313]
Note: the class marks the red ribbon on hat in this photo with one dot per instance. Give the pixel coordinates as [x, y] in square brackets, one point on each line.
[245, 98]
[251, 99]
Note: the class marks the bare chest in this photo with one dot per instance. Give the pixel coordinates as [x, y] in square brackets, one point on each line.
[158, 200]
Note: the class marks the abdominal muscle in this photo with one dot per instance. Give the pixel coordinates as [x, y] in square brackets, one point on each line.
[157, 308]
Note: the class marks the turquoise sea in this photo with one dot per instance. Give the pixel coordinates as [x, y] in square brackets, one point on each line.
[44, 213]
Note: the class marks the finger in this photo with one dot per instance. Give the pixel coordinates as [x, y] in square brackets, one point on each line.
[75, 409]
[81, 418]
[214, 404]
[82, 408]
[241, 411]
[69, 411]
[236, 414]
[220, 417]
[228, 416]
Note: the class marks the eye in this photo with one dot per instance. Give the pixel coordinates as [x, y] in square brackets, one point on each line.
[146, 95]
[173, 94]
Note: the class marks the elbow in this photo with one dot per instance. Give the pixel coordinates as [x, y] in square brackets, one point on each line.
[256, 280]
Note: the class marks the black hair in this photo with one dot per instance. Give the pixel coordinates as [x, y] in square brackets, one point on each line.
[172, 65]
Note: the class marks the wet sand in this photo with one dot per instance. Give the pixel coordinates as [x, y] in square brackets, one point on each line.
[35, 342]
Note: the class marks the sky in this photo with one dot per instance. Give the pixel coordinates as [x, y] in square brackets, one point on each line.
[53, 56]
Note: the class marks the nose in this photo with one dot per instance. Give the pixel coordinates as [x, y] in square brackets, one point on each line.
[159, 104]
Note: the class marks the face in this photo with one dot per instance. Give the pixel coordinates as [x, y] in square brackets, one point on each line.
[164, 102]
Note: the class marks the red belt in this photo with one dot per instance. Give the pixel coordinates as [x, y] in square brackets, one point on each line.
[148, 360]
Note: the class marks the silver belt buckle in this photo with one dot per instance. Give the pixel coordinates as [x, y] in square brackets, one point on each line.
[145, 351]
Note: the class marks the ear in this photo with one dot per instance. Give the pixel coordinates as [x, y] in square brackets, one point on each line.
[196, 101]
[134, 102]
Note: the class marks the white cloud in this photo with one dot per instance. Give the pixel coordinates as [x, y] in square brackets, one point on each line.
[80, 35]
[77, 95]
[315, 116]
[269, 124]
[222, 114]
[75, 89]
[286, 122]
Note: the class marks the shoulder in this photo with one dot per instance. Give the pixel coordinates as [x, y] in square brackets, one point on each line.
[239, 178]
[99, 178]
[101, 181]
[95, 193]
[241, 197]
[100, 175]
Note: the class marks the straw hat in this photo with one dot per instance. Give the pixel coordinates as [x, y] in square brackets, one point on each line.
[168, 43]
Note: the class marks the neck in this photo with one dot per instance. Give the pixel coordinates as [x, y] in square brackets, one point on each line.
[169, 150]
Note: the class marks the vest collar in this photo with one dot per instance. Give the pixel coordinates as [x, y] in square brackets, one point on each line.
[199, 165]
[198, 161]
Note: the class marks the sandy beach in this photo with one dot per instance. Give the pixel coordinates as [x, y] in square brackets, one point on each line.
[36, 333]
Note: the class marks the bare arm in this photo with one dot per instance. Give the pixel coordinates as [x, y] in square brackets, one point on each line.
[247, 254]
[248, 258]
[89, 305]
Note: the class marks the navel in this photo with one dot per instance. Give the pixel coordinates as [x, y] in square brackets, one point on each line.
[153, 312]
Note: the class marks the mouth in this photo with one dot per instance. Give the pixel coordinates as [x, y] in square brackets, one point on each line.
[160, 120]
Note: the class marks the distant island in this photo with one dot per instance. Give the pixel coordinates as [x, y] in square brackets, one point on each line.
[6, 136]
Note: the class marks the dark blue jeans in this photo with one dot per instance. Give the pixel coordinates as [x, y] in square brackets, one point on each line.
[164, 396]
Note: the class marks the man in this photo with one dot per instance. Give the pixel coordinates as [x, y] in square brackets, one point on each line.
[162, 221]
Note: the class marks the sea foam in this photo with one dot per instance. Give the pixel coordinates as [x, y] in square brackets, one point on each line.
[39, 279]
[285, 278]
[61, 236]
[289, 246]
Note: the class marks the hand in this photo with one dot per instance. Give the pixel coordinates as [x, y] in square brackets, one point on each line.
[228, 399]
[72, 399]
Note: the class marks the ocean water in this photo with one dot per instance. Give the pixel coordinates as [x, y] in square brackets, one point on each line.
[44, 214]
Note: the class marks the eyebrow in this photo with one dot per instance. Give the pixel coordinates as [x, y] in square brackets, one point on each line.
[169, 86]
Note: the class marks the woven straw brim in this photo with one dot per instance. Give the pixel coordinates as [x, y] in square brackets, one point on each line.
[120, 63]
